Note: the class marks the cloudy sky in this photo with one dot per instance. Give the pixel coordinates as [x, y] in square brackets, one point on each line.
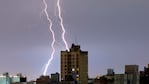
[114, 32]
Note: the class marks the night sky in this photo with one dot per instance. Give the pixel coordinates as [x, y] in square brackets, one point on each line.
[114, 32]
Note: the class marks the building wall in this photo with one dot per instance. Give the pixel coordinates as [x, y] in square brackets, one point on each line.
[55, 78]
[7, 79]
[131, 69]
[144, 76]
[4, 80]
[74, 63]
[134, 71]
[43, 80]
[83, 67]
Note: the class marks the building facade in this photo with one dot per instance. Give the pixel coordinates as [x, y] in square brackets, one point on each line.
[133, 72]
[8, 79]
[123, 79]
[74, 65]
[43, 80]
[144, 76]
[55, 78]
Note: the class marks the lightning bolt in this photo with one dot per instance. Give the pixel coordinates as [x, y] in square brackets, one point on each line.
[53, 37]
[62, 25]
[51, 30]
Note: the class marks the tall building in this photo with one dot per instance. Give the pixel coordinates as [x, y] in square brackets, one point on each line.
[74, 65]
[110, 72]
[144, 76]
[55, 78]
[134, 71]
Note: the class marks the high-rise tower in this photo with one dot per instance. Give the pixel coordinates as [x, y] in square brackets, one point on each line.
[132, 72]
[74, 65]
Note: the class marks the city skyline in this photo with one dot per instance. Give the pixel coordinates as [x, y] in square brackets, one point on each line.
[132, 75]
[115, 33]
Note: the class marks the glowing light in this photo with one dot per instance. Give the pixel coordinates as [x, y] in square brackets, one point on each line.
[53, 36]
[61, 24]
